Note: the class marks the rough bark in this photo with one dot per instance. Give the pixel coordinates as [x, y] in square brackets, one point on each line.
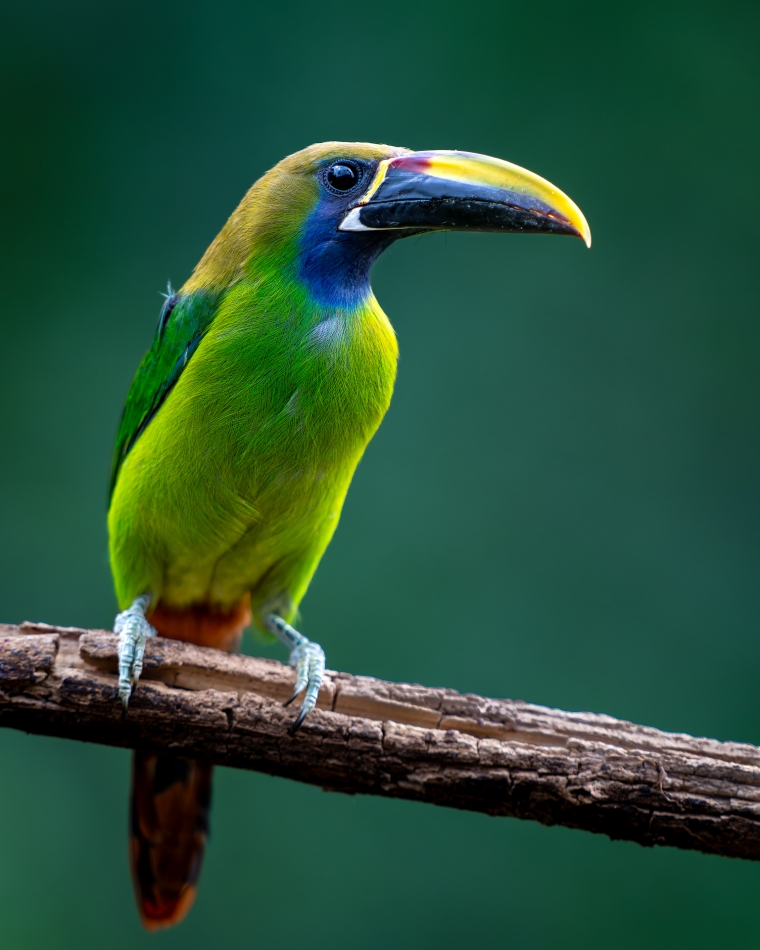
[502, 757]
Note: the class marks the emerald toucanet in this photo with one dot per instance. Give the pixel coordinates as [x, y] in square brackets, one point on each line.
[270, 371]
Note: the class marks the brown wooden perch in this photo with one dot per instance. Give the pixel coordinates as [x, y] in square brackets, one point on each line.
[502, 757]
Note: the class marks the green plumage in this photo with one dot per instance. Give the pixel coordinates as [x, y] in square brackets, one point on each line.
[181, 325]
[247, 418]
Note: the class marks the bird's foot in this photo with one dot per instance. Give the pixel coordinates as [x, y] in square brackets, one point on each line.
[309, 661]
[133, 630]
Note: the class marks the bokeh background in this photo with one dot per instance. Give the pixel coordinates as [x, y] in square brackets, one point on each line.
[562, 504]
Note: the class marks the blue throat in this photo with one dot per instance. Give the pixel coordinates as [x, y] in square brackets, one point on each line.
[335, 265]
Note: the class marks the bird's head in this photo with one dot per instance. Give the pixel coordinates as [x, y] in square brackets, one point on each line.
[328, 211]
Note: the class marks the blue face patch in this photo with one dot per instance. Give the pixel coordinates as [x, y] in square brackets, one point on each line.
[334, 264]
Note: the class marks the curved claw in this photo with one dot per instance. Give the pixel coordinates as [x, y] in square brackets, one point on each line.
[293, 729]
[301, 662]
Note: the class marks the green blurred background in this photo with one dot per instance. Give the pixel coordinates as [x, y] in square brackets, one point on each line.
[572, 455]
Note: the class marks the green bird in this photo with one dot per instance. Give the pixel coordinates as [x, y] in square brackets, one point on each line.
[270, 371]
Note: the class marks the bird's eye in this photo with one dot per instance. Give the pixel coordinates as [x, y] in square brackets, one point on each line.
[342, 177]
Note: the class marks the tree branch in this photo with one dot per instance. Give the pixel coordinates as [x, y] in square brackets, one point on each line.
[502, 757]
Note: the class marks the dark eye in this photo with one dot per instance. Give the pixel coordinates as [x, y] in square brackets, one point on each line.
[342, 177]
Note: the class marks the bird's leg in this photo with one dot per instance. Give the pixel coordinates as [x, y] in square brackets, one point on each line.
[133, 630]
[309, 660]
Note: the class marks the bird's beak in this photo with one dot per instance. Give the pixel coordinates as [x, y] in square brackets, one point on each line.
[462, 191]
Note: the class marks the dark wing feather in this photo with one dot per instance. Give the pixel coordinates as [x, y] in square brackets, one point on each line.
[183, 321]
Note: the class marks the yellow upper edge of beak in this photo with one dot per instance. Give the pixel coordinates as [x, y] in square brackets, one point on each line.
[494, 173]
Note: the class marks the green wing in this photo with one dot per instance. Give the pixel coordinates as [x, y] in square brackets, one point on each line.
[181, 325]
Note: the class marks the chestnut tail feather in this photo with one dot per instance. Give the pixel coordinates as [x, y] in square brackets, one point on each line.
[169, 811]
